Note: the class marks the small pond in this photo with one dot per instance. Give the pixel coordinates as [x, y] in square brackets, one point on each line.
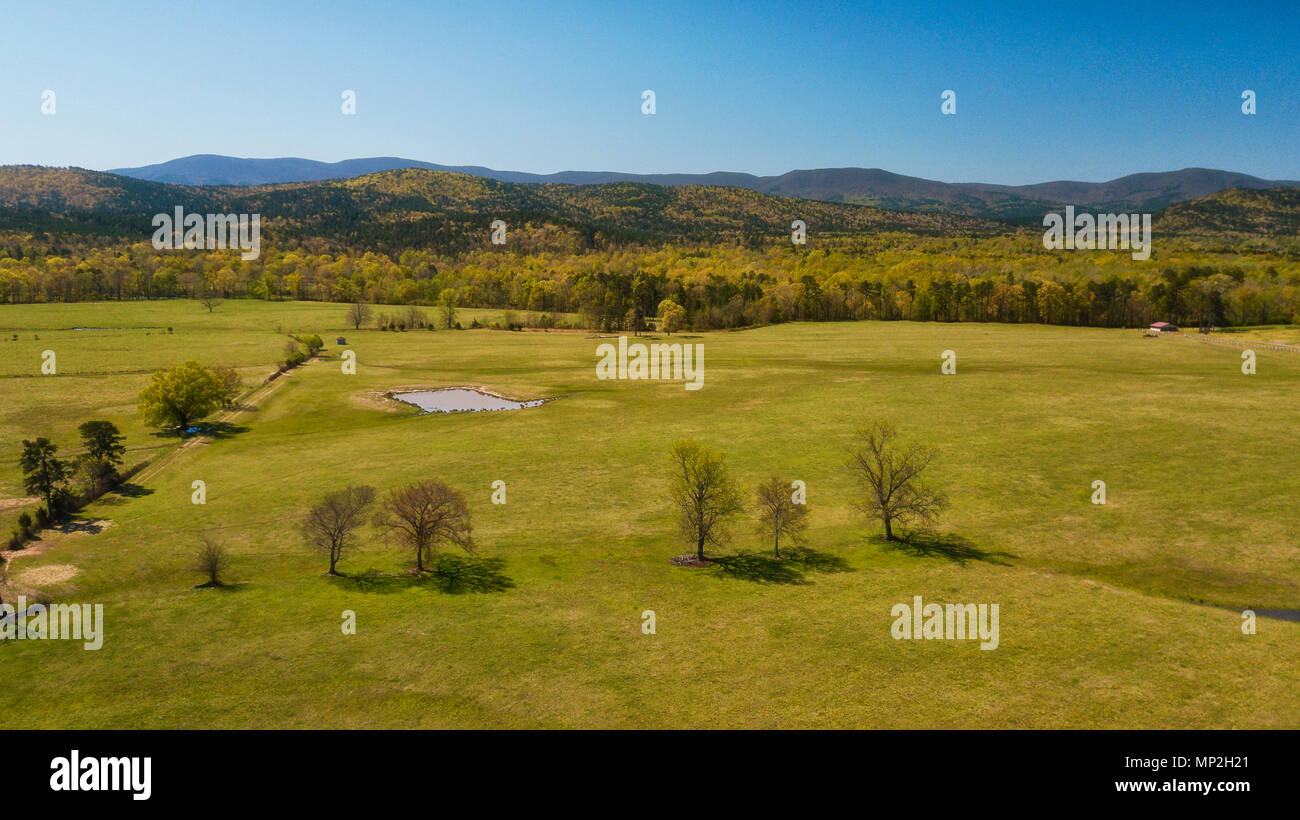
[1284, 614]
[460, 400]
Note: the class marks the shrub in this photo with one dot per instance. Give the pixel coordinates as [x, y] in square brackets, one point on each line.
[415, 318]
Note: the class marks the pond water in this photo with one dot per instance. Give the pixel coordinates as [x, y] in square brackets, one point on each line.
[460, 400]
[1284, 614]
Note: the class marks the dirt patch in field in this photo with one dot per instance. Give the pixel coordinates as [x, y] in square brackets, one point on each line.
[47, 575]
[376, 400]
[53, 536]
[82, 527]
[7, 503]
[690, 560]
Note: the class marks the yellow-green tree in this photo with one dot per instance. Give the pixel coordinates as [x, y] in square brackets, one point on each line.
[178, 396]
[672, 316]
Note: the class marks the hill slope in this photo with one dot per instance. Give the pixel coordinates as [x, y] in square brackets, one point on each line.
[1273, 212]
[417, 207]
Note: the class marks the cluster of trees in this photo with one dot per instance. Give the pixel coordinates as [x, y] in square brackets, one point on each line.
[67, 484]
[422, 517]
[707, 498]
[293, 356]
[1004, 278]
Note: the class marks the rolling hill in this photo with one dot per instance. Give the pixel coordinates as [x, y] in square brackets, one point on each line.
[395, 209]
[1273, 212]
[419, 207]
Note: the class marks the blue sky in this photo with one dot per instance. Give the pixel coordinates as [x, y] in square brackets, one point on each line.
[1045, 90]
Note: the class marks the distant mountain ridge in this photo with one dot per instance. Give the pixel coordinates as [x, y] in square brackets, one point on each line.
[414, 207]
[1143, 192]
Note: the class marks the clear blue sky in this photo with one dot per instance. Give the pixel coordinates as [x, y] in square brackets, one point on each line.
[1045, 90]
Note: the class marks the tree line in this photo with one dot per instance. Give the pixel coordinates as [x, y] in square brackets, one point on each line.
[883, 276]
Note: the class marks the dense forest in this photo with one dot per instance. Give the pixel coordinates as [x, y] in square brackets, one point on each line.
[611, 253]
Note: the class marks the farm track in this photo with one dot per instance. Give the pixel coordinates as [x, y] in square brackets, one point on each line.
[228, 416]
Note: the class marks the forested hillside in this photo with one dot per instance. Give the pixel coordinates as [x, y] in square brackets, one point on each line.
[611, 253]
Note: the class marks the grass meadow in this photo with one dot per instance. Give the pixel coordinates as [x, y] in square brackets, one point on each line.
[1122, 615]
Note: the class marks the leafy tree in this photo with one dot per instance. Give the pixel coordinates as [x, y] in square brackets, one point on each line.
[103, 453]
[448, 301]
[178, 396]
[424, 515]
[103, 442]
[232, 384]
[672, 316]
[890, 477]
[778, 515]
[43, 472]
[314, 344]
[704, 494]
[634, 321]
[331, 525]
[93, 475]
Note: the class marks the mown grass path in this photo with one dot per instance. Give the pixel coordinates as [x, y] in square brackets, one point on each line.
[228, 416]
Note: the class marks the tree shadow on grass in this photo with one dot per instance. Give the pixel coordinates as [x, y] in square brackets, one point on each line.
[450, 574]
[215, 430]
[814, 561]
[126, 490]
[791, 568]
[223, 429]
[456, 575]
[79, 525]
[223, 586]
[373, 580]
[956, 548]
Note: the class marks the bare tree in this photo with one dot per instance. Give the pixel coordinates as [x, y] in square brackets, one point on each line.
[211, 560]
[358, 314]
[704, 494]
[424, 515]
[415, 318]
[890, 476]
[778, 515]
[331, 525]
[210, 302]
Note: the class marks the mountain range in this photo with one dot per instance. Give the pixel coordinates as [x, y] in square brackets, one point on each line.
[1143, 192]
[412, 207]
[419, 208]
